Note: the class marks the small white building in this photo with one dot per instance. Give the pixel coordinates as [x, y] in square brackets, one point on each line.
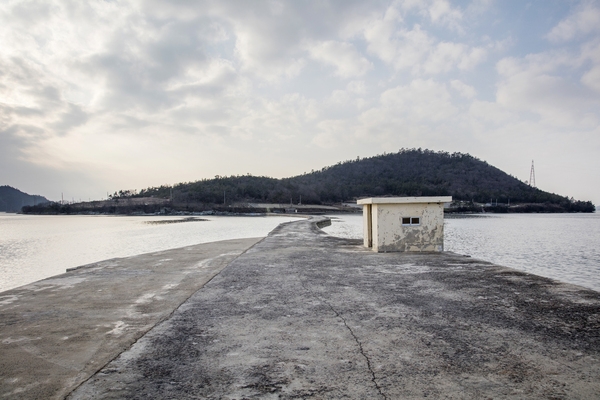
[404, 223]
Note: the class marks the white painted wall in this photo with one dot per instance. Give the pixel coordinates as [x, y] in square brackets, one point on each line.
[393, 236]
[389, 234]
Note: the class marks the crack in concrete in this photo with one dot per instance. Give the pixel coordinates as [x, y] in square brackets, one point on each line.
[358, 342]
[373, 378]
[158, 322]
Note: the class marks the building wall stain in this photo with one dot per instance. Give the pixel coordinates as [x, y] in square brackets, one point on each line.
[390, 234]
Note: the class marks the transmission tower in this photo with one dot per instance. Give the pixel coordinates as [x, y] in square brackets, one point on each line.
[532, 176]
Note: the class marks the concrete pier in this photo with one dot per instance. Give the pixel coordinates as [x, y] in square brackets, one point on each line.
[57, 332]
[304, 315]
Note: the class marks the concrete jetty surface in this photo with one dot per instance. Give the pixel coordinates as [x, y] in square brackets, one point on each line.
[57, 332]
[304, 315]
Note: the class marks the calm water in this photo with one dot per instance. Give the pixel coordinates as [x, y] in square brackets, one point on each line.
[560, 246]
[36, 247]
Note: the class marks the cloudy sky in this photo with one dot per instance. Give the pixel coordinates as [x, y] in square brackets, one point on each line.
[98, 96]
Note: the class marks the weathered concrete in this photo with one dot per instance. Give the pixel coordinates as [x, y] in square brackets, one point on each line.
[56, 333]
[304, 315]
[404, 223]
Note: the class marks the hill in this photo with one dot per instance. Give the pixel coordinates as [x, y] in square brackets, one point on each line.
[410, 172]
[12, 200]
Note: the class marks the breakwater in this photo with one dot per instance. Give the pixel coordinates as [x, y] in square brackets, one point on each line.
[34, 247]
[301, 314]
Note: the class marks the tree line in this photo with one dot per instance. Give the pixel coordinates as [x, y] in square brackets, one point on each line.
[409, 172]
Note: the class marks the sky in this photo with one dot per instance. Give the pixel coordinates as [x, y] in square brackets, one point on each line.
[100, 96]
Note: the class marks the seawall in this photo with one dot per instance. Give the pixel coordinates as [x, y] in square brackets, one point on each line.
[57, 332]
[301, 314]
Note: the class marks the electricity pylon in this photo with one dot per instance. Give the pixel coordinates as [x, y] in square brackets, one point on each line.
[532, 176]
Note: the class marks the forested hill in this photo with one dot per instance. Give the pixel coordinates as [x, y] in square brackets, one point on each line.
[421, 173]
[406, 173]
[12, 200]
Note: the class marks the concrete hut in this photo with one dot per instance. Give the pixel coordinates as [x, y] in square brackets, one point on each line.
[404, 223]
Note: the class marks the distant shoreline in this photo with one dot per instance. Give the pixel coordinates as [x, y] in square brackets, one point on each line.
[234, 210]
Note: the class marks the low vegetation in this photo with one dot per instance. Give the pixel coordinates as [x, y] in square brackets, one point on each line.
[473, 184]
[410, 172]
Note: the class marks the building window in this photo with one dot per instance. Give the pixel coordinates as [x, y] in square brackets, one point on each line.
[411, 221]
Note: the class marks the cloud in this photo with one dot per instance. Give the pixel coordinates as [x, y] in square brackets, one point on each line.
[420, 100]
[264, 54]
[535, 84]
[32, 105]
[463, 89]
[446, 56]
[584, 21]
[72, 117]
[344, 57]
[439, 12]
[135, 93]
[592, 78]
[357, 87]
[137, 74]
[590, 54]
[486, 115]
[415, 115]
[401, 49]
[331, 132]
[415, 48]
[442, 12]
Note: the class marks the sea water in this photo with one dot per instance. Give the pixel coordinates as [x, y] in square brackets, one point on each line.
[559, 246]
[34, 247]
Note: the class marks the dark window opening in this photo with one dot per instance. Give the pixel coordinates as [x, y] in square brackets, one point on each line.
[411, 221]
